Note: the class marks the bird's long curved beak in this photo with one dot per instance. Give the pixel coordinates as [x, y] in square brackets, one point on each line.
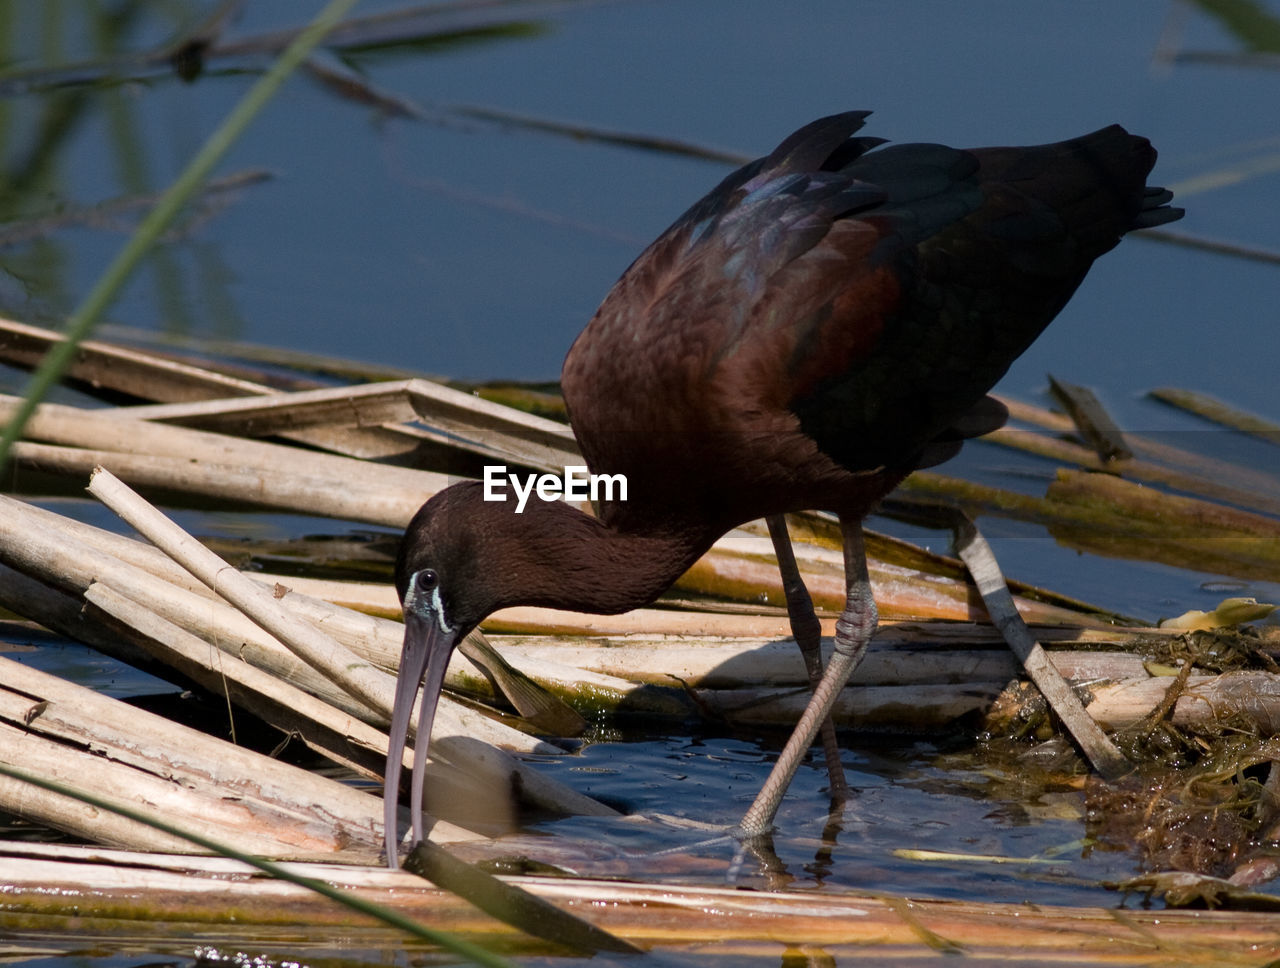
[427, 647]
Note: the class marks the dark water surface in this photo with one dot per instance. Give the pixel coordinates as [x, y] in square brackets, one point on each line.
[449, 242]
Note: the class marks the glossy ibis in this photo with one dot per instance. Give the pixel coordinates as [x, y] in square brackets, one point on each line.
[827, 319]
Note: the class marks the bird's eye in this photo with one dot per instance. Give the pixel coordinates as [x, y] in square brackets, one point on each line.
[427, 580]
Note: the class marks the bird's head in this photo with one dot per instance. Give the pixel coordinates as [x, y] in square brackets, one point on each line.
[464, 557]
[441, 557]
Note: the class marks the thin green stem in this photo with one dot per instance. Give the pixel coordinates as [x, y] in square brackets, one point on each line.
[188, 183]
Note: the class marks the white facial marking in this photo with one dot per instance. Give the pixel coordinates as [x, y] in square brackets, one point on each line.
[438, 606]
[413, 602]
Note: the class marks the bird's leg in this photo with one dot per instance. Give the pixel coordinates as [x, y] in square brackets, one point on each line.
[853, 632]
[808, 635]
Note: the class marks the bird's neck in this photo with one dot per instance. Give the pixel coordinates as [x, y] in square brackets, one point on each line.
[567, 559]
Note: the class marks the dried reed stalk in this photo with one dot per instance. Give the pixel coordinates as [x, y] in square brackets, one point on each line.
[339, 736]
[488, 428]
[48, 884]
[93, 742]
[1205, 700]
[1203, 405]
[318, 650]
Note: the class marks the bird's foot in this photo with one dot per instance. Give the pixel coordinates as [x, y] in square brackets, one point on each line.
[759, 846]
